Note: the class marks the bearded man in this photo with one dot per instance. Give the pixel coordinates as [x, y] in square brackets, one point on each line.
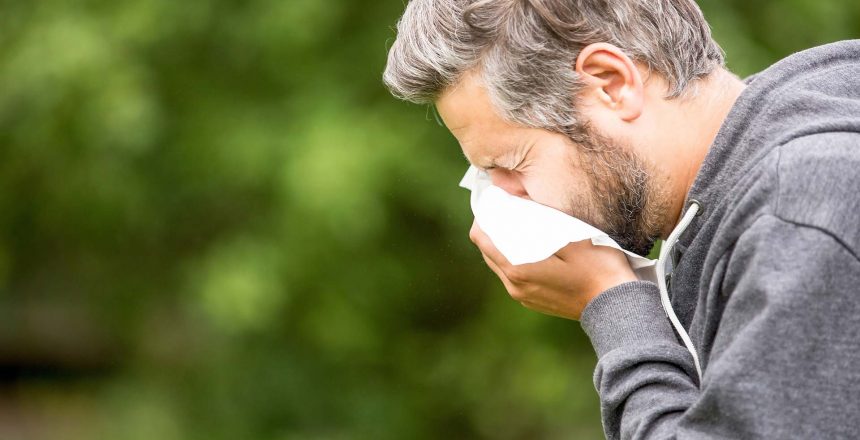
[622, 113]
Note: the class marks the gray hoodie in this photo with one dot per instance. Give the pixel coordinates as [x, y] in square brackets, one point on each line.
[766, 279]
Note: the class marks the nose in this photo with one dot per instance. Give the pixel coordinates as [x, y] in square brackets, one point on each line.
[508, 181]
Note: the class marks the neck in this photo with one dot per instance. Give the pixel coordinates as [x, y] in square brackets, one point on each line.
[702, 116]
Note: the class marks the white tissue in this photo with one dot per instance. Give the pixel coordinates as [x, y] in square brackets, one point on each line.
[528, 232]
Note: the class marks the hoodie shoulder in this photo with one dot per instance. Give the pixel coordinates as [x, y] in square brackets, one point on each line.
[818, 179]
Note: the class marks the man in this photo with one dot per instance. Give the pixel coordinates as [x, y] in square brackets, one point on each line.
[622, 114]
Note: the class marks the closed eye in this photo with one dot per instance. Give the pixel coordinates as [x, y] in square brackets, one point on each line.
[524, 159]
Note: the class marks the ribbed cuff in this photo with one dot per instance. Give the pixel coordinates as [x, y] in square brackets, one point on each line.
[627, 314]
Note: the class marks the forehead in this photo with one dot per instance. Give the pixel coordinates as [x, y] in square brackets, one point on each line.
[467, 111]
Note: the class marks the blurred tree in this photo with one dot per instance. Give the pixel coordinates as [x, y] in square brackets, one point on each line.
[216, 223]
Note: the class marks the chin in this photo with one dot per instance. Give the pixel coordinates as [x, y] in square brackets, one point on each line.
[641, 246]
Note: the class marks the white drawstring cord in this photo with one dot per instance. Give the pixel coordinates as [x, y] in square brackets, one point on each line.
[661, 282]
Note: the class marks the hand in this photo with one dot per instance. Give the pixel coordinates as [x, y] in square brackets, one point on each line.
[563, 284]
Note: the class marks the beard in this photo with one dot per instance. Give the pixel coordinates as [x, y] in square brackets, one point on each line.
[626, 201]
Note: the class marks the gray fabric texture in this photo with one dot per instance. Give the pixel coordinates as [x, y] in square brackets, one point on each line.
[766, 279]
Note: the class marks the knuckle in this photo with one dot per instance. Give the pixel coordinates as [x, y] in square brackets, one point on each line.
[516, 275]
[518, 295]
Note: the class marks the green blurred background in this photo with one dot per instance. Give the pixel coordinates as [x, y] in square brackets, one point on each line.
[215, 223]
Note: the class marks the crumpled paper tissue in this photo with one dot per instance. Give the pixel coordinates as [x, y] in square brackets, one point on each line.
[527, 232]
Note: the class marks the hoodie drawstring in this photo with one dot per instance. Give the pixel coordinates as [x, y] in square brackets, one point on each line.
[661, 281]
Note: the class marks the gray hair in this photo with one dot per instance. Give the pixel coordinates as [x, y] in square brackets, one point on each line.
[525, 50]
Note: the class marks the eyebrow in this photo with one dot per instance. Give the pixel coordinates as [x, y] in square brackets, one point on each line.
[476, 164]
[500, 161]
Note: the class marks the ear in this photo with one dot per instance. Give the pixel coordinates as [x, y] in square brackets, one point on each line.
[614, 78]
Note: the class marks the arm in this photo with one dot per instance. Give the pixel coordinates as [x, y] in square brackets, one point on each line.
[784, 360]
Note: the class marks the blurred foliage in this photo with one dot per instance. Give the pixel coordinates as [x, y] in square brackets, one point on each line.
[217, 224]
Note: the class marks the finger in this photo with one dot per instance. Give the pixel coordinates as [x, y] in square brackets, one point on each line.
[590, 257]
[512, 274]
[570, 251]
[482, 240]
[499, 273]
[550, 301]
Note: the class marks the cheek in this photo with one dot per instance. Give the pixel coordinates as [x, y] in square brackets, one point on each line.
[554, 177]
[559, 190]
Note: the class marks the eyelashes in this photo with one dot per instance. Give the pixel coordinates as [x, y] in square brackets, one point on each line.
[523, 162]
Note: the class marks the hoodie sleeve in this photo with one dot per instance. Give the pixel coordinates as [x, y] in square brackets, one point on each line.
[783, 360]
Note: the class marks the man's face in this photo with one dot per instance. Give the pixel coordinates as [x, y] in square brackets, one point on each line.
[604, 182]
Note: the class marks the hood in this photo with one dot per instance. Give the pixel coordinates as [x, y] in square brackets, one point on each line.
[809, 92]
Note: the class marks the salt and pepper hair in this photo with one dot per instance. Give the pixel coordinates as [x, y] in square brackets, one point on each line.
[525, 50]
